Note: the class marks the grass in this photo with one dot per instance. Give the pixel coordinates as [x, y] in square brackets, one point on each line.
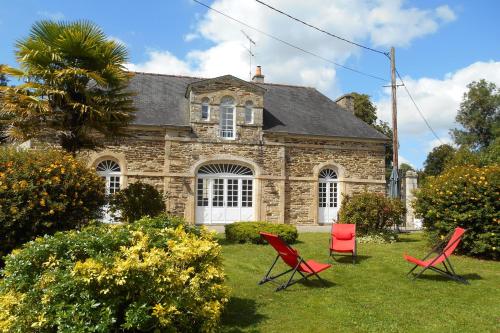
[371, 296]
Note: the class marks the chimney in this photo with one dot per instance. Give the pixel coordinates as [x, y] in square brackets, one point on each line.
[347, 102]
[258, 77]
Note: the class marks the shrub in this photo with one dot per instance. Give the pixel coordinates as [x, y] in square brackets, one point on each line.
[465, 196]
[378, 237]
[138, 277]
[42, 192]
[371, 212]
[243, 232]
[136, 201]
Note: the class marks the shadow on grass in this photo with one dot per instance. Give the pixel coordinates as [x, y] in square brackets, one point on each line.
[438, 277]
[347, 259]
[407, 240]
[240, 313]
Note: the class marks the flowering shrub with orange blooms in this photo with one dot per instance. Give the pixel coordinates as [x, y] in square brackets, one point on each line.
[465, 196]
[42, 192]
[154, 275]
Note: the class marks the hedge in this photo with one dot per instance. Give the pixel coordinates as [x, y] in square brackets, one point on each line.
[243, 232]
[465, 196]
[371, 212]
[42, 192]
[140, 277]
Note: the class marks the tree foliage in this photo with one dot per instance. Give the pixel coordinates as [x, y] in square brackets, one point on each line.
[74, 85]
[479, 115]
[364, 108]
[465, 196]
[436, 160]
[42, 192]
[137, 200]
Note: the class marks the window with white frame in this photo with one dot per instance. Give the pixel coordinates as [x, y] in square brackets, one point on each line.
[111, 172]
[249, 112]
[227, 116]
[205, 109]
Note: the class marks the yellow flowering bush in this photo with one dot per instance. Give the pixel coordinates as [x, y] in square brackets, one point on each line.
[154, 275]
[466, 196]
[42, 192]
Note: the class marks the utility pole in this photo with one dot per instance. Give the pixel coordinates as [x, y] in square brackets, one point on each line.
[394, 112]
[250, 54]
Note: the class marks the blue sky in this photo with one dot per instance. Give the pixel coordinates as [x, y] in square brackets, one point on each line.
[441, 46]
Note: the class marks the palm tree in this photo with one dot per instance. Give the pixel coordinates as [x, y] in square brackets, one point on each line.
[74, 86]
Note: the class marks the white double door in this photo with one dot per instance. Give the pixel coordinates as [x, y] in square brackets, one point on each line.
[328, 201]
[224, 200]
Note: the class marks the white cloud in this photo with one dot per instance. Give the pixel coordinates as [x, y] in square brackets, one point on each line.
[446, 14]
[118, 40]
[55, 16]
[402, 159]
[438, 99]
[382, 22]
[190, 37]
[161, 62]
[443, 140]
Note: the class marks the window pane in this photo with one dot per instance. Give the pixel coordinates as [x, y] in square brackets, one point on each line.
[227, 122]
[202, 193]
[246, 192]
[322, 195]
[232, 193]
[248, 115]
[204, 111]
[218, 193]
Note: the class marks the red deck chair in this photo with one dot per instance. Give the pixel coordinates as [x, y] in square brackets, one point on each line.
[291, 257]
[443, 255]
[343, 239]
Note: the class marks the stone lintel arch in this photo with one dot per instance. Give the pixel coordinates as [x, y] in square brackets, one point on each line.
[229, 159]
[338, 168]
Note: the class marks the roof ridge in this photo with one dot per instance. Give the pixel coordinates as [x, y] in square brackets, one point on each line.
[170, 75]
[209, 78]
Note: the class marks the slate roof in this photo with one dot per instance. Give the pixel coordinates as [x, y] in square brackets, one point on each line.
[160, 100]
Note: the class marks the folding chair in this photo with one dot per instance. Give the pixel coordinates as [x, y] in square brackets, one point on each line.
[443, 254]
[343, 239]
[291, 257]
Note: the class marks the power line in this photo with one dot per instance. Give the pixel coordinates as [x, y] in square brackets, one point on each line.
[418, 109]
[321, 30]
[290, 44]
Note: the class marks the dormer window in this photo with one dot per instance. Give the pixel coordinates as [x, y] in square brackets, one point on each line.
[205, 109]
[227, 121]
[249, 112]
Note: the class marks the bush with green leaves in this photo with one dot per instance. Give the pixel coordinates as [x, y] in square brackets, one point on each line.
[139, 277]
[42, 192]
[248, 232]
[371, 212]
[465, 196]
[137, 200]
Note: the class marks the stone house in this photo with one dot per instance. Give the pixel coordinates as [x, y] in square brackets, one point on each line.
[224, 150]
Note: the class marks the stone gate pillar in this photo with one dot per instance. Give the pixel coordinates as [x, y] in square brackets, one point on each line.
[409, 185]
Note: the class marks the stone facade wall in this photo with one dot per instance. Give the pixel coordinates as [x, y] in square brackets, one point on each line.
[286, 169]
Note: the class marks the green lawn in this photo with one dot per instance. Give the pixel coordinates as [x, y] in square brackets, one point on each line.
[371, 296]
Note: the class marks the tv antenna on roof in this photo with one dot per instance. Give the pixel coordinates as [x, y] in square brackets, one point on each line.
[250, 54]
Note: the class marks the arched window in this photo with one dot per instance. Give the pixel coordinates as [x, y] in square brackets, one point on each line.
[111, 172]
[328, 196]
[227, 121]
[205, 109]
[249, 112]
